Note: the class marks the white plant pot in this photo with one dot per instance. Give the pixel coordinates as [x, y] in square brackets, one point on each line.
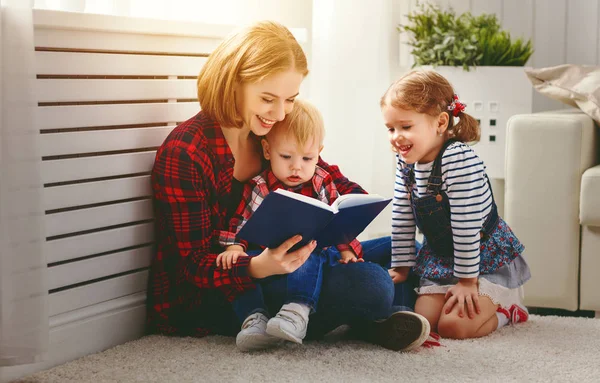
[492, 94]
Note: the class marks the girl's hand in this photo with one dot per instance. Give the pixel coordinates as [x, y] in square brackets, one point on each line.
[229, 257]
[399, 274]
[466, 291]
[348, 256]
[278, 260]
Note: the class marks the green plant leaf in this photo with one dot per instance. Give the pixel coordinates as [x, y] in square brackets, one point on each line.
[440, 37]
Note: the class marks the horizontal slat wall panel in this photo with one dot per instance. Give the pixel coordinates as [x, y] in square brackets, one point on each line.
[69, 90]
[98, 166]
[83, 296]
[102, 140]
[65, 63]
[134, 25]
[98, 40]
[59, 117]
[79, 246]
[89, 193]
[76, 272]
[97, 217]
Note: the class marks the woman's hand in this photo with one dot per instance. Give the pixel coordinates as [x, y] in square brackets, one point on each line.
[229, 257]
[466, 291]
[399, 274]
[278, 260]
[348, 256]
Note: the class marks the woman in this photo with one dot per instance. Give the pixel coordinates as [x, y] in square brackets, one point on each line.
[247, 84]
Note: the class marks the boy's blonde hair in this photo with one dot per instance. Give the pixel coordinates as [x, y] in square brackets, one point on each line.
[247, 56]
[304, 123]
[426, 91]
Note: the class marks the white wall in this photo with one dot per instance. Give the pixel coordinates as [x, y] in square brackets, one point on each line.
[562, 31]
[352, 59]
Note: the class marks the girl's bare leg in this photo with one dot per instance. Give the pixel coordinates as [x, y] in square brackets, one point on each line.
[430, 306]
[452, 326]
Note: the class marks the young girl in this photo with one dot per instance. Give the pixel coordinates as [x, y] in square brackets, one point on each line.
[470, 262]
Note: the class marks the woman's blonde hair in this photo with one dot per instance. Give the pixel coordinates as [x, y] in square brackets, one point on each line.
[304, 123]
[247, 56]
[429, 92]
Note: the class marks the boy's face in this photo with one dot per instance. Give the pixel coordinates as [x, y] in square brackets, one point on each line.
[292, 164]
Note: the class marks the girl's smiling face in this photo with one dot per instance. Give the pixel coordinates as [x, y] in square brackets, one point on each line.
[415, 136]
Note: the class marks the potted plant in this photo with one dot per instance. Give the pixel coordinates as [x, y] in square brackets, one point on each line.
[483, 63]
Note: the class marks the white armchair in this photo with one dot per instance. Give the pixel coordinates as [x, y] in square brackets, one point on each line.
[552, 202]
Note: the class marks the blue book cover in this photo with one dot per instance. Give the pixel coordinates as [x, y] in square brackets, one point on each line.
[284, 214]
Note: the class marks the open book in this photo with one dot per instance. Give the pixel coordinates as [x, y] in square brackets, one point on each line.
[284, 214]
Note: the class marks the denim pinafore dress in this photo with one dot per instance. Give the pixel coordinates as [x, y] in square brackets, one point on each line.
[499, 246]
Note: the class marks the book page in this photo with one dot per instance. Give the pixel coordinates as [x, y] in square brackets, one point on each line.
[306, 199]
[350, 200]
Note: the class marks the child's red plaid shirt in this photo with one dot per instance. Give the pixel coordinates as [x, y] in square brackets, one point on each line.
[320, 187]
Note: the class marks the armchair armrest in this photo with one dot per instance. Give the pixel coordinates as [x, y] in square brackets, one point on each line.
[546, 155]
[590, 197]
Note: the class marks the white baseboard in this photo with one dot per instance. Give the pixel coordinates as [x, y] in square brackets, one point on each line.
[87, 331]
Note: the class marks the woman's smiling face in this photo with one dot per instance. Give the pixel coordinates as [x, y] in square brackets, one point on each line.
[263, 103]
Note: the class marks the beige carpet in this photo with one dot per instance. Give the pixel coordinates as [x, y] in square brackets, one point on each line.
[545, 349]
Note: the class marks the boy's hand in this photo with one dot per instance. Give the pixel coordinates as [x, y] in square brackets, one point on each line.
[348, 256]
[465, 292]
[229, 257]
[399, 274]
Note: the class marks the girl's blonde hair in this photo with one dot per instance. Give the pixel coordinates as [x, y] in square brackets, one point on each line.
[304, 123]
[247, 56]
[430, 93]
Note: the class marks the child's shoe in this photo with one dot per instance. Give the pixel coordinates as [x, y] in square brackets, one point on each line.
[401, 331]
[503, 316]
[290, 323]
[518, 314]
[432, 341]
[503, 311]
[253, 335]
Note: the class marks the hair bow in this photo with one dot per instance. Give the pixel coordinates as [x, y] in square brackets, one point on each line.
[456, 107]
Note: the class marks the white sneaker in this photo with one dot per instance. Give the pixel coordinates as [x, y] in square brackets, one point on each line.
[290, 323]
[253, 335]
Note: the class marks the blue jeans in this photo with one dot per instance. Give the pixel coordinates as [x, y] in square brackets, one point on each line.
[302, 286]
[351, 294]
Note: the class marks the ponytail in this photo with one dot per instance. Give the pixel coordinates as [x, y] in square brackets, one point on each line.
[466, 130]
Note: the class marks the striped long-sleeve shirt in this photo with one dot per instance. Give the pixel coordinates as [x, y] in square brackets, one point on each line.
[465, 182]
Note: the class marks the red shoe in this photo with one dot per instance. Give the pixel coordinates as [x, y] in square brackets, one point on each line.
[432, 341]
[518, 314]
[503, 311]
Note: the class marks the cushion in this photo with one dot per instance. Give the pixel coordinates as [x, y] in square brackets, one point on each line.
[575, 85]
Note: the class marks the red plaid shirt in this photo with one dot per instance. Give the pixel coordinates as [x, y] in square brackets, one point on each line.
[320, 187]
[191, 181]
